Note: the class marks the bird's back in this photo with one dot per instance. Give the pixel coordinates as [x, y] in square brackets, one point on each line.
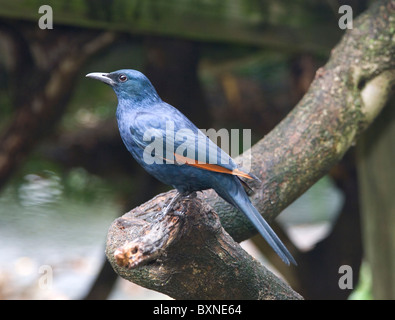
[170, 147]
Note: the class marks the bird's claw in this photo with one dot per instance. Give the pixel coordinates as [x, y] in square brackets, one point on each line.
[162, 214]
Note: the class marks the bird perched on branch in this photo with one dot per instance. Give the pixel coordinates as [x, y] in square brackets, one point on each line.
[172, 149]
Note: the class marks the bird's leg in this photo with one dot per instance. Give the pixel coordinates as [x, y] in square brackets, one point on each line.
[173, 201]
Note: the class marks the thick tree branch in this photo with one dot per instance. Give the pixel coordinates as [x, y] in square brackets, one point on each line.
[185, 257]
[188, 255]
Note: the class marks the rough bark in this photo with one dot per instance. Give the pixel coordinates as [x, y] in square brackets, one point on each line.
[345, 97]
[169, 261]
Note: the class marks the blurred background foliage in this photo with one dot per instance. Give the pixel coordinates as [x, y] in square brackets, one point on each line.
[225, 64]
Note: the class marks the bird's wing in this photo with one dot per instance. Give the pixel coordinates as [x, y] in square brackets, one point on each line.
[171, 138]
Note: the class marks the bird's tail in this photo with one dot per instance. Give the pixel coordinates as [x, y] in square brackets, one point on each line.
[241, 201]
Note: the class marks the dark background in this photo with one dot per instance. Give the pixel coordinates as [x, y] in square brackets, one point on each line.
[64, 172]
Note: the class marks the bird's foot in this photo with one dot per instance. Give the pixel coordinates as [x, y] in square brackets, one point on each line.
[173, 201]
[191, 195]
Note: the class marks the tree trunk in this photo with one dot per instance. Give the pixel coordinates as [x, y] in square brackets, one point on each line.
[376, 151]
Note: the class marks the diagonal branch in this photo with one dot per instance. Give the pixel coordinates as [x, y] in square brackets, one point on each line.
[343, 100]
[188, 255]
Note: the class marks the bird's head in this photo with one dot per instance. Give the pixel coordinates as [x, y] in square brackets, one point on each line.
[127, 84]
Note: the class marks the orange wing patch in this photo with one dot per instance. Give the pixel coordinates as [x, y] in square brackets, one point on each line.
[210, 167]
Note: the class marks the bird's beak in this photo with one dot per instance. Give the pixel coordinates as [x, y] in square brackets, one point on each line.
[101, 76]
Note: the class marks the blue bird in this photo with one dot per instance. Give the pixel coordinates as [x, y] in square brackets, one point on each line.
[172, 149]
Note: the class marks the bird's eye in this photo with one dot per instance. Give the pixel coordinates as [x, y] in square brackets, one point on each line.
[122, 78]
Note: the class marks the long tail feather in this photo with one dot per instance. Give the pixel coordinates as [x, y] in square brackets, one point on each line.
[241, 201]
